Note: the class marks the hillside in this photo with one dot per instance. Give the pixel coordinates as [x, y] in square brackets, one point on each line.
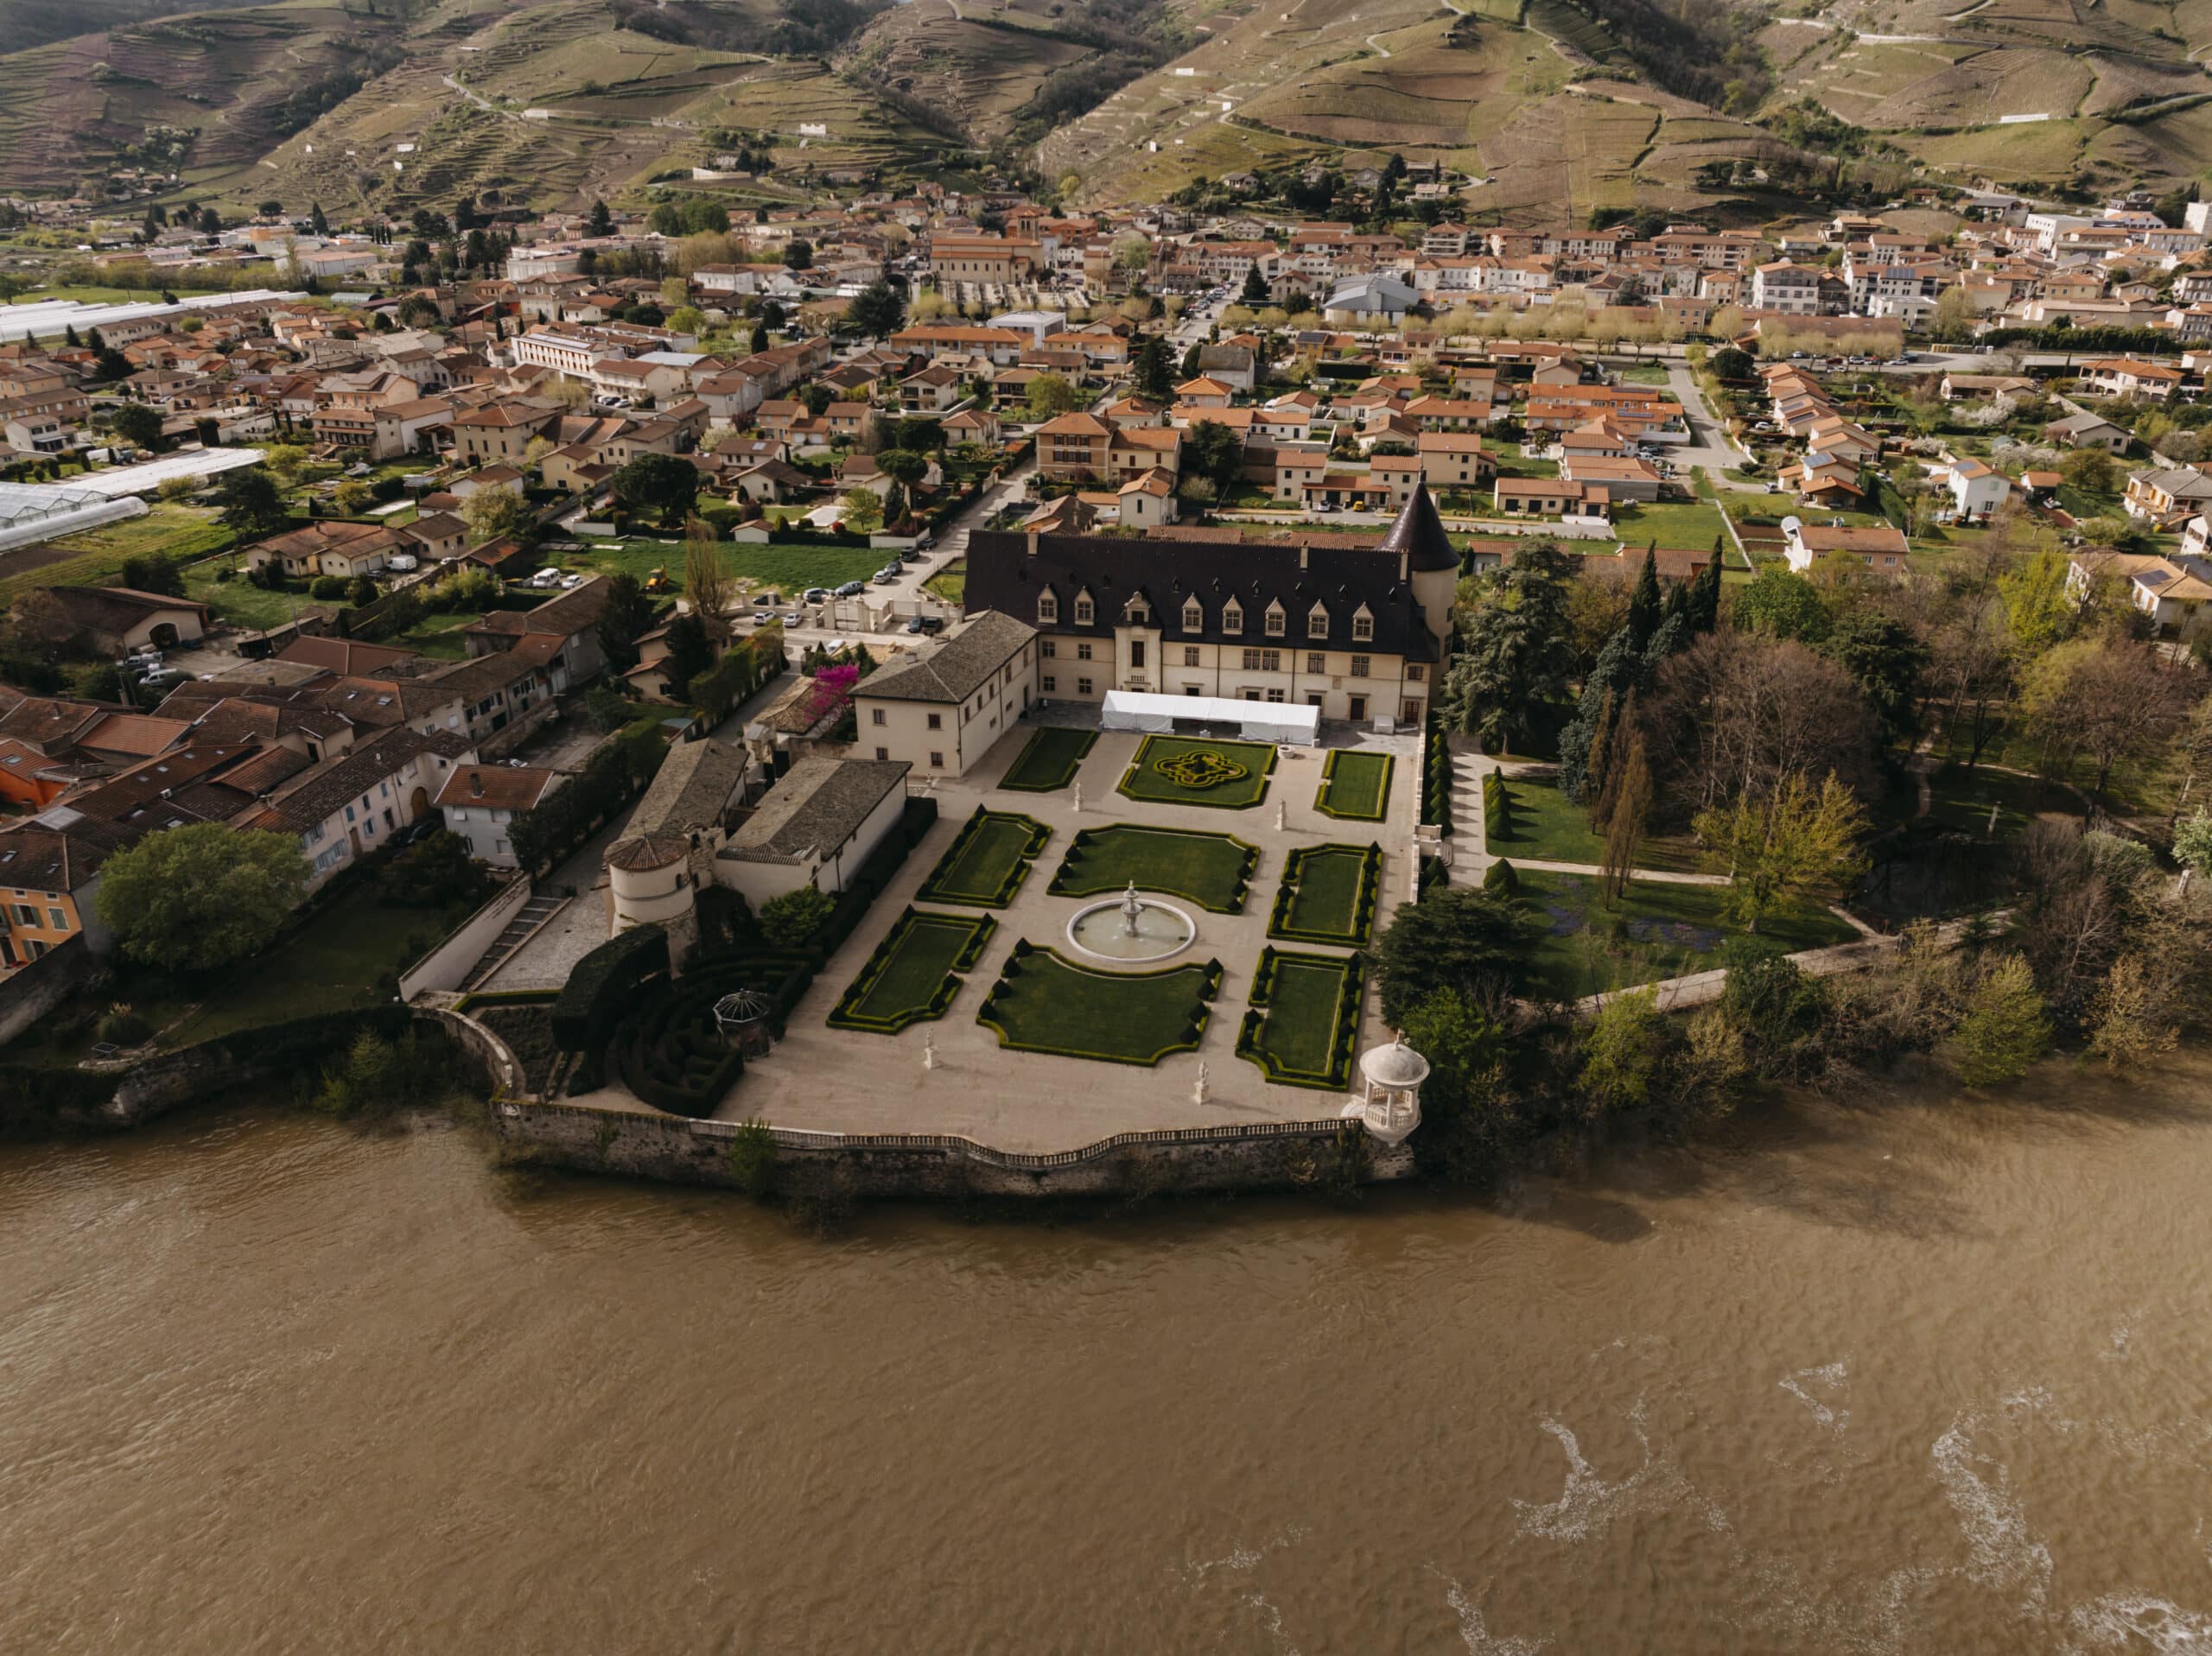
[35, 22]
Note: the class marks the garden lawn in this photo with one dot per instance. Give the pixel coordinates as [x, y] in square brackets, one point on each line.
[94, 557]
[925, 950]
[1670, 930]
[1329, 880]
[1547, 828]
[1212, 870]
[987, 864]
[950, 583]
[786, 569]
[1294, 1041]
[1242, 769]
[437, 636]
[1355, 786]
[1051, 1005]
[238, 601]
[1048, 761]
[1960, 801]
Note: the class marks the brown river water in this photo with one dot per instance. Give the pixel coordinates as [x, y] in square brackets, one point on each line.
[1894, 1373]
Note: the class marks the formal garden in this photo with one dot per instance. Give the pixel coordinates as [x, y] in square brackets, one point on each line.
[1355, 786]
[987, 863]
[1044, 1002]
[1327, 895]
[914, 973]
[1049, 760]
[1212, 870]
[1303, 1027]
[1652, 930]
[1199, 771]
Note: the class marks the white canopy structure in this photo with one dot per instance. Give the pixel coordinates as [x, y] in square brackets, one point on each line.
[1255, 721]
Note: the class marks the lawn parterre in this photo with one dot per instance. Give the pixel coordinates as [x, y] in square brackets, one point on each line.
[1199, 771]
[1355, 786]
[986, 863]
[1304, 1025]
[1048, 761]
[1327, 895]
[1656, 930]
[1212, 870]
[1044, 1002]
[914, 973]
[1528, 819]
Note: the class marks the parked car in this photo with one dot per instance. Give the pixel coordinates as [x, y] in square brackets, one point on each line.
[815, 595]
[764, 600]
[402, 561]
[852, 589]
[546, 578]
[572, 580]
[926, 623]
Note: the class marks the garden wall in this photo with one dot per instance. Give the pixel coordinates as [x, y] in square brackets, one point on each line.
[447, 965]
[28, 993]
[1289, 1156]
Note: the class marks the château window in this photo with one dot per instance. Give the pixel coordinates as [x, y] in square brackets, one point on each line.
[1194, 619]
[1083, 652]
[1359, 667]
[1414, 672]
[1232, 619]
[1140, 614]
[1276, 621]
[1316, 663]
[1363, 628]
[1317, 623]
[1084, 612]
[1048, 609]
[1189, 655]
[1048, 648]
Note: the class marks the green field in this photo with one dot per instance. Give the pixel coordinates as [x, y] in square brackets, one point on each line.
[910, 975]
[1328, 887]
[438, 636]
[1199, 771]
[789, 570]
[1212, 870]
[1355, 786]
[1048, 761]
[1046, 1004]
[1655, 931]
[1296, 1034]
[985, 867]
[1547, 828]
[93, 558]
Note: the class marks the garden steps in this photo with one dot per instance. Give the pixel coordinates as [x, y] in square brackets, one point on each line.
[528, 921]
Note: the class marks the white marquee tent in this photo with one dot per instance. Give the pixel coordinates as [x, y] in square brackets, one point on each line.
[1255, 721]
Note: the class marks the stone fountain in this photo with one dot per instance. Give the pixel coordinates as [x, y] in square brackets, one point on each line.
[1132, 930]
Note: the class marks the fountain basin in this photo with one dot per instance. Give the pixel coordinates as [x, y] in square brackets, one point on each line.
[1101, 932]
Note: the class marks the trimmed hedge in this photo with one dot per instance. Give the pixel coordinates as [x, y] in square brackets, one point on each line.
[1497, 807]
[1204, 981]
[600, 983]
[1364, 902]
[1344, 1030]
[846, 1014]
[1327, 808]
[673, 1055]
[1067, 882]
[937, 888]
[1436, 776]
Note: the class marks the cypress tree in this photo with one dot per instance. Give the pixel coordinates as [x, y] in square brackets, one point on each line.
[1704, 611]
[1643, 608]
[1598, 768]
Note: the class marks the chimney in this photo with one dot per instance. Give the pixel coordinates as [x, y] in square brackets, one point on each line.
[1032, 542]
[1303, 548]
[1404, 556]
[476, 784]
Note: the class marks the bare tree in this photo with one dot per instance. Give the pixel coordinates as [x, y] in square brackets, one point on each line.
[1735, 715]
[2107, 703]
[1624, 822]
[705, 579]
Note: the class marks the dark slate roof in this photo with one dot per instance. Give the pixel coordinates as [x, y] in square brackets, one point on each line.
[1419, 533]
[818, 805]
[955, 671]
[690, 790]
[1003, 573]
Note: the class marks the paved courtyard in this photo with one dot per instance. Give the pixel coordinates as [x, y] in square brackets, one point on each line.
[842, 1081]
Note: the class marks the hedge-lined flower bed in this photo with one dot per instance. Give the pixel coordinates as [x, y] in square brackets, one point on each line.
[914, 973]
[1199, 771]
[1355, 786]
[1049, 760]
[1328, 896]
[987, 862]
[1303, 1027]
[1212, 870]
[1044, 1002]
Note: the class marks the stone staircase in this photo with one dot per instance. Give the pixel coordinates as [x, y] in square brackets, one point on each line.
[518, 931]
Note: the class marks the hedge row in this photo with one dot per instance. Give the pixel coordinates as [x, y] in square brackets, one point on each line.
[1328, 775]
[1363, 925]
[601, 984]
[1237, 892]
[932, 892]
[1343, 1033]
[844, 1014]
[1497, 807]
[1436, 776]
[673, 1055]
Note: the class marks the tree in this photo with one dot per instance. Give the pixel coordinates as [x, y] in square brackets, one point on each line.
[1255, 290]
[606, 705]
[1464, 1104]
[903, 465]
[360, 591]
[1050, 396]
[1644, 605]
[111, 366]
[1728, 363]
[1628, 809]
[1517, 652]
[2038, 611]
[1153, 373]
[2112, 704]
[151, 573]
[1953, 322]
[1884, 658]
[863, 511]
[317, 222]
[250, 503]
[197, 898]
[601, 222]
[2005, 1028]
[2193, 845]
[1474, 943]
[493, 514]
[664, 484]
[1622, 1051]
[796, 918]
[2091, 470]
[798, 254]
[1781, 605]
[1213, 451]
[878, 310]
[2130, 1020]
[706, 577]
[1792, 843]
[137, 424]
[353, 497]
[628, 613]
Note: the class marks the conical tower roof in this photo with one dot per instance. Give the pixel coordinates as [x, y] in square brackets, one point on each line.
[1419, 533]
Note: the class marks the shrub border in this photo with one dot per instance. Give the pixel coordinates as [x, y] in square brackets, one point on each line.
[1344, 1031]
[1039, 835]
[979, 927]
[1086, 837]
[1328, 775]
[1090, 741]
[1198, 796]
[1211, 976]
[1364, 897]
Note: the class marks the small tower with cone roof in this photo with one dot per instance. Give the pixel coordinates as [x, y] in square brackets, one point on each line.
[1426, 555]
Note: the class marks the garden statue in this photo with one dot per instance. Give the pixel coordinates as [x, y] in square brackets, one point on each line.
[1199, 1092]
[929, 1051]
[1078, 798]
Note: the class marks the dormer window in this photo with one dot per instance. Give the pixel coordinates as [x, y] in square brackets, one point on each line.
[1275, 620]
[1048, 607]
[1139, 612]
[1316, 622]
[1194, 617]
[1085, 611]
[1362, 626]
[1232, 617]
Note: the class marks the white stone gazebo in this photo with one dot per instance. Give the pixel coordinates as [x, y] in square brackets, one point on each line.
[1388, 1103]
